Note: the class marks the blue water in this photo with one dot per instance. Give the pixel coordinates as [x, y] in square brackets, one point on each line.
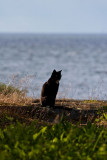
[27, 60]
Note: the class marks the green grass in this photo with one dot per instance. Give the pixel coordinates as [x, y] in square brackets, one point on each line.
[90, 101]
[53, 142]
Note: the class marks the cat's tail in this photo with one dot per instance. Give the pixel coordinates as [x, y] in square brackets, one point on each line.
[43, 101]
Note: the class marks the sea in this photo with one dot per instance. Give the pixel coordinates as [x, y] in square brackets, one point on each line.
[27, 61]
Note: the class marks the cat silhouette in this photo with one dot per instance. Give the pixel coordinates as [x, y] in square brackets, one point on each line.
[50, 89]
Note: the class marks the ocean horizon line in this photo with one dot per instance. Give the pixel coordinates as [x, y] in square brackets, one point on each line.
[53, 33]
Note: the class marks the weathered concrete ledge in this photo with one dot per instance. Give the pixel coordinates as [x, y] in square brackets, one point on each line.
[71, 110]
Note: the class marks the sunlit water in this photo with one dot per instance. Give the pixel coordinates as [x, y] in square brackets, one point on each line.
[27, 60]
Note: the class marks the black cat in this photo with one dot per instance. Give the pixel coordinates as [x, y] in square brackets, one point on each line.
[50, 89]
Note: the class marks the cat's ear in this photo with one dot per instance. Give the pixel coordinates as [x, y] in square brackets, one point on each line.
[60, 71]
[54, 71]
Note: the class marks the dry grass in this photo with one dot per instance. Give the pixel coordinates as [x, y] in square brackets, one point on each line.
[14, 98]
[12, 95]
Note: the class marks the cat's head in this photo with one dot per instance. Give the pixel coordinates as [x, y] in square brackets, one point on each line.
[56, 75]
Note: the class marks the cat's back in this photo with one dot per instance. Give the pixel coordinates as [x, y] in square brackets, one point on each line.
[44, 88]
[45, 85]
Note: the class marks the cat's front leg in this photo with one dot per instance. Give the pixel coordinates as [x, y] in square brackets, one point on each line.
[51, 101]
